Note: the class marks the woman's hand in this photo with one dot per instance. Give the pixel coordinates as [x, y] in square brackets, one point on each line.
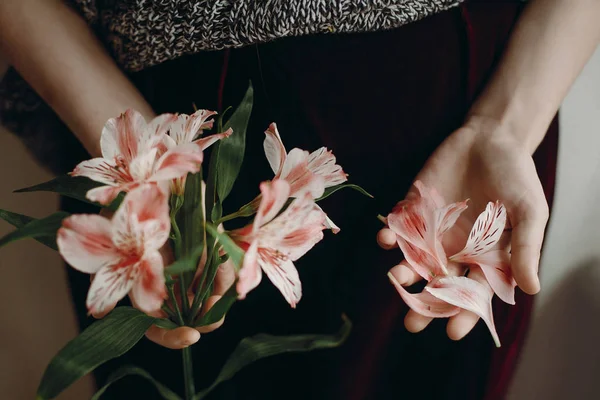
[484, 161]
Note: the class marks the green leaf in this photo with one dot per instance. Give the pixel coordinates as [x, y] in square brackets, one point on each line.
[185, 264]
[75, 187]
[16, 220]
[43, 229]
[260, 346]
[104, 340]
[165, 323]
[230, 152]
[122, 372]
[191, 216]
[233, 250]
[331, 190]
[19, 220]
[219, 309]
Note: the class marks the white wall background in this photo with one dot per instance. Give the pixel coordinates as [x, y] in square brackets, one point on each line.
[561, 359]
[562, 356]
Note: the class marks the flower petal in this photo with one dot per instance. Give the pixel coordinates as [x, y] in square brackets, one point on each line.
[421, 261]
[447, 216]
[486, 232]
[160, 125]
[84, 241]
[177, 162]
[106, 194]
[430, 195]
[329, 224]
[250, 274]
[186, 127]
[274, 149]
[284, 275]
[148, 291]
[142, 221]
[496, 268]
[208, 141]
[301, 179]
[300, 227]
[110, 285]
[274, 195]
[121, 136]
[424, 303]
[413, 222]
[102, 170]
[142, 166]
[469, 295]
[322, 162]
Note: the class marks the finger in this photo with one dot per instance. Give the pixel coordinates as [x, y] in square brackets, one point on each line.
[210, 302]
[415, 322]
[224, 278]
[405, 274]
[529, 224]
[386, 238]
[176, 339]
[463, 322]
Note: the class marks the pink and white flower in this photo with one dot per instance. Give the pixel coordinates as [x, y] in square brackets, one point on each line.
[130, 156]
[186, 129]
[420, 223]
[272, 242]
[123, 253]
[304, 172]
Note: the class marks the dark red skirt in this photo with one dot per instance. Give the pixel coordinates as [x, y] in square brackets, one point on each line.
[383, 102]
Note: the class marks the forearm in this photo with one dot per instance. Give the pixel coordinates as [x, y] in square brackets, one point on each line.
[56, 52]
[549, 47]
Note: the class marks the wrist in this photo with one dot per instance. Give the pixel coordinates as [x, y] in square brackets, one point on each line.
[524, 118]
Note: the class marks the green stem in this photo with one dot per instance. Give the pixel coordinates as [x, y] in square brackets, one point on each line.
[176, 305]
[188, 373]
[244, 211]
[177, 249]
[170, 313]
[198, 297]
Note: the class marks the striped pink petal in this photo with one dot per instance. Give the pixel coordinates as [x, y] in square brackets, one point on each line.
[424, 303]
[495, 265]
[274, 149]
[148, 291]
[208, 141]
[284, 275]
[250, 274]
[485, 234]
[85, 242]
[322, 162]
[177, 162]
[469, 295]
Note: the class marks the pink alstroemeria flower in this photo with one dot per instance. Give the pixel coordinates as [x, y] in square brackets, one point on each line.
[185, 129]
[420, 223]
[302, 170]
[130, 156]
[123, 253]
[272, 242]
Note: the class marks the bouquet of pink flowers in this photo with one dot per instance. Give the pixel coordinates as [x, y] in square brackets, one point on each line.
[166, 241]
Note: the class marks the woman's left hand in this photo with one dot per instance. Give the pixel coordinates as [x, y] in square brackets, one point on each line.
[484, 161]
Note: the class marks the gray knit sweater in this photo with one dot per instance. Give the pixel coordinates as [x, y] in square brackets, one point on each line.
[143, 33]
